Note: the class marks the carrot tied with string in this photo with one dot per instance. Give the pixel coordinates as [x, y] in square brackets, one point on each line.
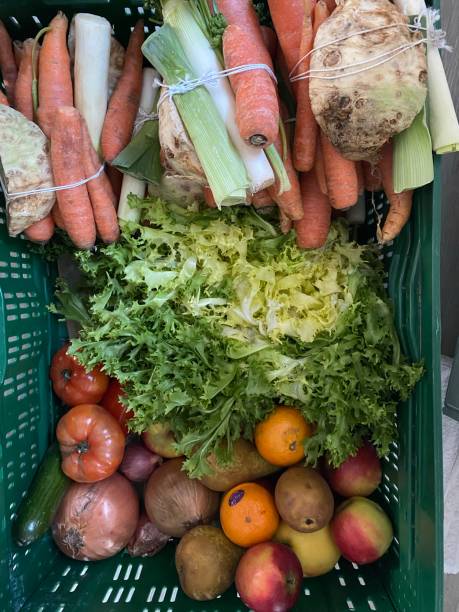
[341, 176]
[42, 231]
[23, 90]
[55, 87]
[67, 160]
[103, 200]
[8, 66]
[257, 108]
[306, 129]
[312, 230]
[124, 103]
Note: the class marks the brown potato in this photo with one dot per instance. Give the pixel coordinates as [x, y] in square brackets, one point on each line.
[206, 562]
[304, 499]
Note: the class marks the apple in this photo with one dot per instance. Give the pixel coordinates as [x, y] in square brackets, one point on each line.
[269, 578]
[362, 530]
[316, 551]
[160, 440]
[359, 475]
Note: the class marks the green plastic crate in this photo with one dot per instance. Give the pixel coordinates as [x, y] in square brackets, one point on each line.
[40, 579]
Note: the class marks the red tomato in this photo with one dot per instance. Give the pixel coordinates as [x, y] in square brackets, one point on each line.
[111, 402]
[72, 384]
[91, 443]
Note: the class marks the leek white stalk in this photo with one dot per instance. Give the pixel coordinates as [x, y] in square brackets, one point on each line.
[131, 184]
[92, 59]
[443, 122]
[203, 60]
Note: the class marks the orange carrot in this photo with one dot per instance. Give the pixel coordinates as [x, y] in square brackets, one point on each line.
[257, 108]
[241, 13]
[319, 169]
[57, 217]
[304, 147]
[261, 199]
[312, 230]
[285, 223]
[372, 177]
[67, 162]
[270, 40]
[124, 103]
[341, 175]
[3, 99]
[100, 191]
[41, 231]
[18, 48]
[209, 197]
[116, 180]
[289, 201]
[7, 63]
[360, 177]
[287, 17]
[400, 204]
[23, 90]
[55, 82]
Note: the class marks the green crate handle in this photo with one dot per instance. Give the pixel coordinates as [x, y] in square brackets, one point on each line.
[2, 335]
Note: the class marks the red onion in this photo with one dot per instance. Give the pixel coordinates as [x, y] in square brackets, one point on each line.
[138, 462]
[95, 521]
[147, 540]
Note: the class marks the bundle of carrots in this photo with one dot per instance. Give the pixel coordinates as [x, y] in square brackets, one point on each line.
[88, 210]
[320, 179]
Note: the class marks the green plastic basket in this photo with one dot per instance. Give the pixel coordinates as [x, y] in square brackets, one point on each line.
[40, 579]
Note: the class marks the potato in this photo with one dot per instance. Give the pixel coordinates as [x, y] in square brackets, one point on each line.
[246, 465]
[206, 562]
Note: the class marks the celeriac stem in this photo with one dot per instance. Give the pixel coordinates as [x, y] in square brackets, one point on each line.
[34, 67]
[279, 169]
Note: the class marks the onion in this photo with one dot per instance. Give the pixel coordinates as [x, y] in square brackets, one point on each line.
[176, 503]
[147, 539]
[96, 520]
[138, 462]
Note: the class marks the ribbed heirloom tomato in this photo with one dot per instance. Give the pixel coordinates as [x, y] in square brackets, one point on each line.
[72, 383]
[91, 443]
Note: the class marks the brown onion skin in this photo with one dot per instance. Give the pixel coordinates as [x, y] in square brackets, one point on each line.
[147, 540]
[175, 502]
[95, 521]
[138, 462]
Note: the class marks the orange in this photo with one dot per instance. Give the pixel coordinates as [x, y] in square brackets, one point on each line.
[248, 514]
[279, 438]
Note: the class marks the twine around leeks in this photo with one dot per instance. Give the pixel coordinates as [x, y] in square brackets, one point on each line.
[434, 37]
[184, 85]
[23, 194]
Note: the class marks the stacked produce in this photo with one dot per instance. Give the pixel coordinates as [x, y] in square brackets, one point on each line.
[236, 372]
[210, 122]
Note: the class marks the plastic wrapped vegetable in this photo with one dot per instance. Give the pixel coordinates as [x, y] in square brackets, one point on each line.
[363, 109]
[25, 165]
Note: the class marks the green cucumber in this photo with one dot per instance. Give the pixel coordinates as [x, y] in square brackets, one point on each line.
[39, 506]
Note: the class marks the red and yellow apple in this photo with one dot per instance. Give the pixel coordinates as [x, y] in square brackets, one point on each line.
[362, 530]
[269, 577]
[359, 475]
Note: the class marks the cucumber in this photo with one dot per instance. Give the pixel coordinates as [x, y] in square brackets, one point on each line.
[39, 506]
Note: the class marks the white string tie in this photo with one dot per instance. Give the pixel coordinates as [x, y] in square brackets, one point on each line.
[22, 194]
[435, 37]
[186, 85]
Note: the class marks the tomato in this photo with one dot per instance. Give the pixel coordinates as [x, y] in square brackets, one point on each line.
[111, 402]
[72, 384]
[91, 443]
